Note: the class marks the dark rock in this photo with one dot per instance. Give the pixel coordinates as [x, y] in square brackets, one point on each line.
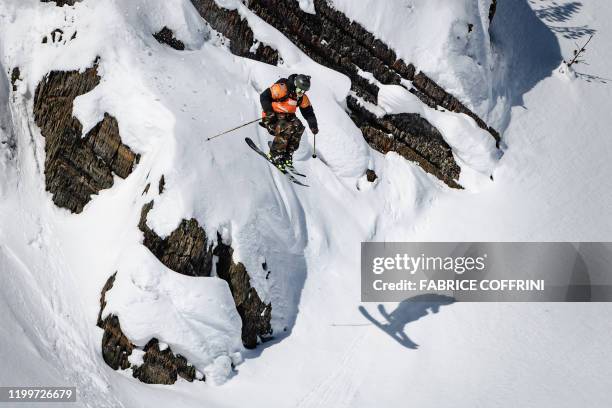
[162, 184]
[107, 286]
[231, 25]
[61, 3]
[162, 367]
[371, 175]
[57, 35]
[434, 95]
[77, 167]
[166, 36]
[159, 367]
[106, 143]
[492, 9]
[15, 76]
[412, 137]
[255, 314]
[116, 348]
[185, 250]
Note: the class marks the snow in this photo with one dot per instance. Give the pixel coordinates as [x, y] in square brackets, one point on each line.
[549, 185]
[307, 6]
[137, 357]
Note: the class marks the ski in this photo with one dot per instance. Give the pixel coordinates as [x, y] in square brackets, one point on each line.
[291, 178]
[295, 172]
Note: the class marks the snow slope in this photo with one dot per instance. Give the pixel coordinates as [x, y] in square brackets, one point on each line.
[550, 185]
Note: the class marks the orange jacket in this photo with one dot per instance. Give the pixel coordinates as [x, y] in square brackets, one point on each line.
[283, 103]
[281, 98]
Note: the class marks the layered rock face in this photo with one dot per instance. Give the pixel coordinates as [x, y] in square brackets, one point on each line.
[77, 167]
[255, 314]
[233, 27]
[185, 251]
[331, 39]
[162, 366]
[413, 137]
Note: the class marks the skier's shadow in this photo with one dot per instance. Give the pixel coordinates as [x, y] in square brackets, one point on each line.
[409, 310]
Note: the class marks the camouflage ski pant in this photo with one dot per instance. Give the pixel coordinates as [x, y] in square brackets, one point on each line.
[287, 133]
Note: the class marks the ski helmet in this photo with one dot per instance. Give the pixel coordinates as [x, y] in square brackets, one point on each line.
[302, 82]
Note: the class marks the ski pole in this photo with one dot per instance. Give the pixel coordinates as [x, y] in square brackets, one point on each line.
[231, 130]
[314, 147]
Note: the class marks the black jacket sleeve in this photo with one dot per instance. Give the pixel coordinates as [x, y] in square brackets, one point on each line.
[310, 117]
[266, 100]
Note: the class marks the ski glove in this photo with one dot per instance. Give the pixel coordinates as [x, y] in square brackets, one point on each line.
[270, 118]
[314, 130]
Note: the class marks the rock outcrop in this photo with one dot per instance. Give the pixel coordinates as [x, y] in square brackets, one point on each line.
[77, 167]
[412, 137]
[331, 39]
[162, 366]
[116, 348]
[15, 76]
[188, 250]
[255, 314]
[158, 366]
[371, 175]
[232, 26]
[166, 36]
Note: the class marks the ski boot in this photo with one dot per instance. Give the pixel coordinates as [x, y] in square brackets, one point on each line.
[280, 161]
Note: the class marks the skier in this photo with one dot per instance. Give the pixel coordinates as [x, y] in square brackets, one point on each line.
[279, 103]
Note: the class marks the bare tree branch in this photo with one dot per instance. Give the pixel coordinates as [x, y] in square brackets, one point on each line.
[578, 53]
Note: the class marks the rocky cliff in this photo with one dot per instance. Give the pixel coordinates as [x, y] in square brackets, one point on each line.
[331, 39]
[77, 167]
[233, 27]
[189, 251]
[157, 366]
[255, 314]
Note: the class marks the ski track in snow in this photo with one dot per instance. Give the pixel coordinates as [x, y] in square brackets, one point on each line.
[339, 388]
